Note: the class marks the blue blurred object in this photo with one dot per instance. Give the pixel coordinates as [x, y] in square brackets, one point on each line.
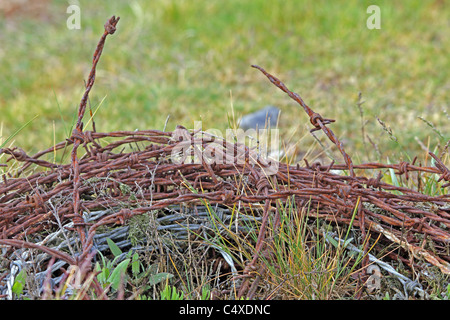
[267, 116]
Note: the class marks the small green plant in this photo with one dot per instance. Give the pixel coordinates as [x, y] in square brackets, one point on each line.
[206, 292]
[171, 293]
[113, 272]
[19, 283]
[306, 263]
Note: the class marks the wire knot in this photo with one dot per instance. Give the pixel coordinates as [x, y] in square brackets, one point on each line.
[76, 135]
[374, 182]
[110, 25]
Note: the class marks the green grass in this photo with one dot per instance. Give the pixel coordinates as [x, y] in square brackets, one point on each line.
[304, 263]
[183, 58]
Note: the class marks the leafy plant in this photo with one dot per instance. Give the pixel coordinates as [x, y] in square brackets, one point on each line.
[113, 272]
[206, 292]
[171, 293]
[19, 283]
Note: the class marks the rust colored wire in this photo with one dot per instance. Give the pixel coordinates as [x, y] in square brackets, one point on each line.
[77, 134]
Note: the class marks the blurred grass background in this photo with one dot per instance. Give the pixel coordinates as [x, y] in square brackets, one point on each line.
[191, 60]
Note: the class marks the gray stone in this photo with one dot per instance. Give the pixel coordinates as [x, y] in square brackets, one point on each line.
[258, 119]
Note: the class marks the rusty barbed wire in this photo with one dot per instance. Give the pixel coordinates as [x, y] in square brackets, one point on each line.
[77, 134]
[315, 118]
[135, 174]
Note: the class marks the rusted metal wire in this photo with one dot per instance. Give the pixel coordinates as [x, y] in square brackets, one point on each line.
[129, 173]
[144, 178]
[315, 118]
[77, 134]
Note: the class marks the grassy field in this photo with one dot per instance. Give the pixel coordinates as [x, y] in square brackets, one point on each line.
[190, 60]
